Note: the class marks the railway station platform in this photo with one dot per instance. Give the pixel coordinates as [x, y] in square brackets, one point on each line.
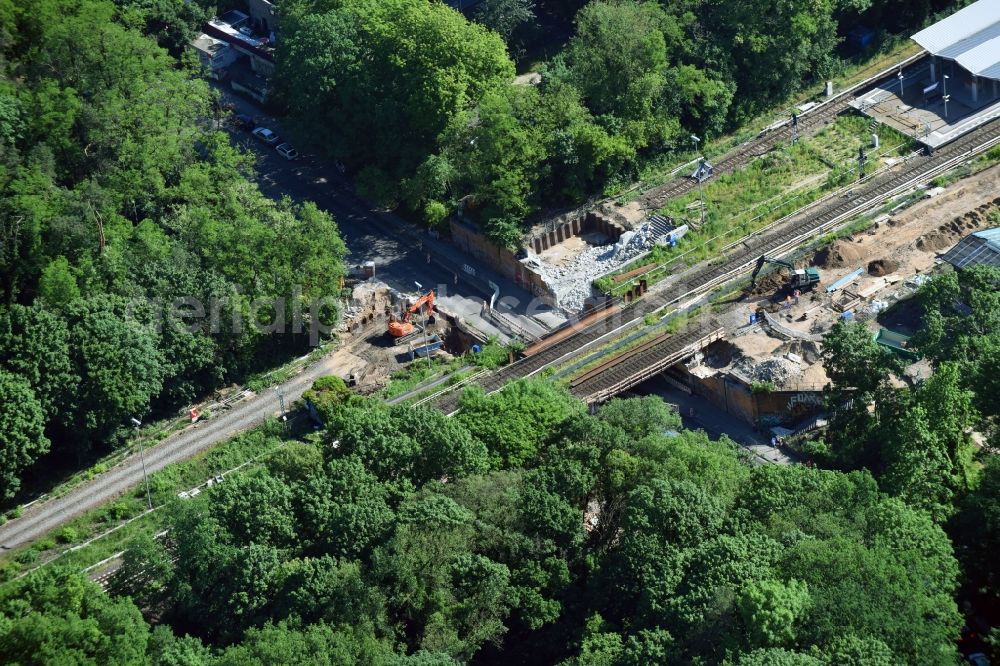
[920, 112]
[960, 88]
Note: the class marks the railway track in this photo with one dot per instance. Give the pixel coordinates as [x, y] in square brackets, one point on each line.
[636, 365]
[698, 281]
[809, 122]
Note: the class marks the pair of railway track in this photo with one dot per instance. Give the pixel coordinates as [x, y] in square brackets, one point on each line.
[809, 122]
[816, 219]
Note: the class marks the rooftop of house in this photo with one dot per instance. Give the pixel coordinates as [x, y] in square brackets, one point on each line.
[208, 44]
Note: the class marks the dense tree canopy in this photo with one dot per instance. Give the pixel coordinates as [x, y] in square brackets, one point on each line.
[373, 82]
[420, 99]
[135, 250]
[618, 538]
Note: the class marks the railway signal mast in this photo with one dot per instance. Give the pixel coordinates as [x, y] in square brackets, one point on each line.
[945, 97]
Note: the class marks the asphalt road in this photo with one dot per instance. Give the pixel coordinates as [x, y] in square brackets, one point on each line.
[42, 517]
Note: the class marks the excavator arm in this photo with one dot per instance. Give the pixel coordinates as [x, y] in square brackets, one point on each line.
[404, 326]
[767, 260]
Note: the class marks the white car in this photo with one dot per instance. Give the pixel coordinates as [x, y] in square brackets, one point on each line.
[266, 135]
[286, 151]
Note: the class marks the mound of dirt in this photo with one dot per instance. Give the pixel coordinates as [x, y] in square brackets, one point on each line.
[881, 267]
[770, 283]
[840, 254]
[951, 232]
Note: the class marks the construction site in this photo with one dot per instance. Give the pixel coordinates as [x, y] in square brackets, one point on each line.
[768, 368]
[830, 216]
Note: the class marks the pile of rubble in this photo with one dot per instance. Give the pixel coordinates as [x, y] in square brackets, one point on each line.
[776, 370]
[369, 301]
[571, 283]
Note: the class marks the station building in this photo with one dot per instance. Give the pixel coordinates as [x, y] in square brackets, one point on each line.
[955, 89]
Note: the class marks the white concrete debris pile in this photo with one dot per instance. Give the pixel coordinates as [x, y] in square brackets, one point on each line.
[571, 282]
[777, 371]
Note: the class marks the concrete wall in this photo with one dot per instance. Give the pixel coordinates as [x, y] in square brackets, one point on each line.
[263, 15]
[499, 259]
[589, 223]
[763, 409]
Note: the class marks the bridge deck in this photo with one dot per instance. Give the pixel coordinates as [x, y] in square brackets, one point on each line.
[640, 363]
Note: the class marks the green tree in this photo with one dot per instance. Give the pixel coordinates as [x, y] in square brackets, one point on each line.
[447, 449]
[120, 367]
[770, 50]
[325, 589]
[57, 285]
[166, 649]
[976, 532]
[505, 16]
[618, 57]
[640, 417]
[375, 82]
[859, 372]
[255, 508]
[515, 422]
[853, 651]
[344, 511]
[917, 467]
[776, 657]
[455, 600]
[59, 617]
[770, 610]
[34, 343]
[21, 431]
[316, 645]
[145, 575]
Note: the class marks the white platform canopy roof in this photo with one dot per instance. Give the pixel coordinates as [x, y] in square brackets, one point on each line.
[970, 37]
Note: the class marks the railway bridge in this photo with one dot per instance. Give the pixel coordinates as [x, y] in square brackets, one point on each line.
[638, 364]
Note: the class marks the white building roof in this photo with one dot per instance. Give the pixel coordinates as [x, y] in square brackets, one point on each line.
[208, 45]
[970, 36]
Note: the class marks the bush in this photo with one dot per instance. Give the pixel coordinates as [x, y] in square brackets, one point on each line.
[816, 450]
[436, 214]
[762, 387]
[29, 556]
[492, 356]
[67, 535]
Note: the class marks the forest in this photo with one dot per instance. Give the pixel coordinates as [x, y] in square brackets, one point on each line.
[135, 248]
[527, 529]
[420, 102]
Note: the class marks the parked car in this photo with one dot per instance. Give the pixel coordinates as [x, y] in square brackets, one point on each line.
[243, 121]
[266, 135]
[286, 151]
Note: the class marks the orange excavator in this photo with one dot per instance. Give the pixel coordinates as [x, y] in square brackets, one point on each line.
[398, 327]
